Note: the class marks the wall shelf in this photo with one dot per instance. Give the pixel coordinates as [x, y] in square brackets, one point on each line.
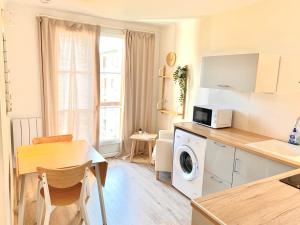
[161, 107]
[170, 112]
[166, 77]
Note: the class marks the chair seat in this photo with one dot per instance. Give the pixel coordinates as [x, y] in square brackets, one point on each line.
[63, 197]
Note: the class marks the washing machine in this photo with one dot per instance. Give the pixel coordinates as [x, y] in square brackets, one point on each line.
[188, 163]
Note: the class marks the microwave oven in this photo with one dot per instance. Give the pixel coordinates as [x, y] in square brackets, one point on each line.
[212, 116]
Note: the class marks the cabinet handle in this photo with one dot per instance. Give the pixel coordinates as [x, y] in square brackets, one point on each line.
[235, 170]
[215, 179]
[220, 145]
[223, 85]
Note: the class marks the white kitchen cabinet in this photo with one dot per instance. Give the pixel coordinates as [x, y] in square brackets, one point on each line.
[289, 80]
[275, 168]
[241, 72]
[212, 184]
[219, 159]
[250, 167]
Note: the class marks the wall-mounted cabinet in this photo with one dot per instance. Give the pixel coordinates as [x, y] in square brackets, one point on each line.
[289, 74]
[242, 72]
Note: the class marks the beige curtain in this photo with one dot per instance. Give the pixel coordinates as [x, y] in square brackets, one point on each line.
[138, 84]
[70, 78]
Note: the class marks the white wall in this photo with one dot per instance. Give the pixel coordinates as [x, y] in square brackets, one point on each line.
[24, 53]
[269, 26]
[6, 189]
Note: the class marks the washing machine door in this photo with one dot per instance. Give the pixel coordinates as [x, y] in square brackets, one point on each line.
[186, 162]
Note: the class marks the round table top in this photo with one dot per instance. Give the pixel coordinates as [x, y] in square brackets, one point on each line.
[143, 137]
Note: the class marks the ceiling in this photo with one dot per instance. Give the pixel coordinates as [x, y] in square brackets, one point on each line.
[142, 10]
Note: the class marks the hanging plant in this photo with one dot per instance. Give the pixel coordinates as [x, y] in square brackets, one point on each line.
[180, 76]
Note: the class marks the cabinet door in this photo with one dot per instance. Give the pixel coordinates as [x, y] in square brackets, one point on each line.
[248, 167]
[275, 168]
[233, 72]
[289, 79]
[219, 159]
[212, 184]
[267, 73]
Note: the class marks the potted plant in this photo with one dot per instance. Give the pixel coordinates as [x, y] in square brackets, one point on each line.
[180, 76]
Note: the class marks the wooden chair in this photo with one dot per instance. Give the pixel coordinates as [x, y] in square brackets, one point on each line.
[62, 187]
[51, 139]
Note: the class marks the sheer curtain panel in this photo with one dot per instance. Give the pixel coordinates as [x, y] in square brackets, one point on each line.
[70, 78]
[138, 84]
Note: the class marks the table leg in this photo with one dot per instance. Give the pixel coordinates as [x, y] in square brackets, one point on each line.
[100, 192]
[133, 144]
[21, 205]
[137, 148]
[150, 151]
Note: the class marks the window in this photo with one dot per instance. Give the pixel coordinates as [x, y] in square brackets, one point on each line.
[111, 68]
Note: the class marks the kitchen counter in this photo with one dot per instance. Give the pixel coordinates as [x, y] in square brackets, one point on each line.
[267, 201]
[239, 139]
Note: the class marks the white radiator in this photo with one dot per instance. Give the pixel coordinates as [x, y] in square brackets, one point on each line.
[23, 130]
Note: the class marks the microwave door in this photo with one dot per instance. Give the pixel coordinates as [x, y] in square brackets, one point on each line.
[203, 116]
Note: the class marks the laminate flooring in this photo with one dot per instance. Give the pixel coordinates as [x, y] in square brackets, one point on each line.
[132, 197]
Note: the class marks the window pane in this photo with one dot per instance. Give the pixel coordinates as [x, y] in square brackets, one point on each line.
[63, 91]
[83, 53]
[79, 86]
[81, 127]
[111, 65]
[84, 91]
[65, 49]
[110, 87]
[110, 124]
[111, 54]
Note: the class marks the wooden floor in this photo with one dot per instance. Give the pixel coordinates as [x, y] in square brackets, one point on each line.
[132, 197]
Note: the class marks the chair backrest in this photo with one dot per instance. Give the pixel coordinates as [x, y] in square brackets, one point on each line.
[65, 177]
[51, 139]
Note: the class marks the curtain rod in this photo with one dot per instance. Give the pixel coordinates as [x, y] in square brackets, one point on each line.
[105, 26]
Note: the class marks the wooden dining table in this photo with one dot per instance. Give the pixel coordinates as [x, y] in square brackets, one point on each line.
[58, 155]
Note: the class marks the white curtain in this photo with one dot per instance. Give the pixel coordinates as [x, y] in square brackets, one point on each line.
[70, 78]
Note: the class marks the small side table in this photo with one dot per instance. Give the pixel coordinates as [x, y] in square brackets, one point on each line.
[149, 138]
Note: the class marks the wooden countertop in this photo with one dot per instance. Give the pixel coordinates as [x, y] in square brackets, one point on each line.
[267, 201]
[237, 138]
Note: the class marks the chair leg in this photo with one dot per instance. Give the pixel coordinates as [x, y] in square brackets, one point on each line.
[84, 212]
[47, 215]
[38, 209]
[38, 203]
[81, 211]
[78, 206]
[41, 214]
[88, 192]
[157, 175]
